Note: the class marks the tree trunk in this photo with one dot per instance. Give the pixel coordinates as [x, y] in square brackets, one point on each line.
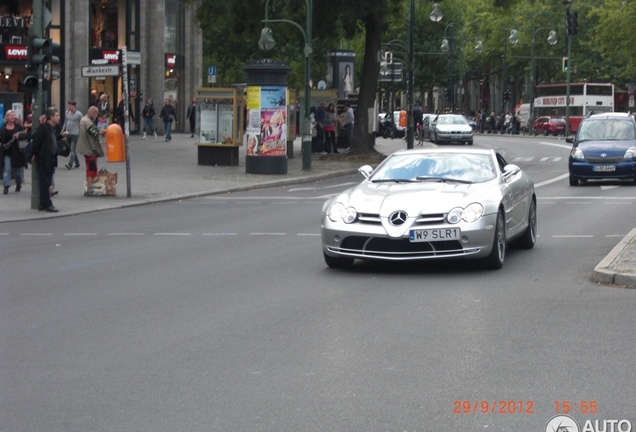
[363, 138]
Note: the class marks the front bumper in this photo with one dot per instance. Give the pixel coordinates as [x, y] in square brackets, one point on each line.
[371, 242]
[585, 171]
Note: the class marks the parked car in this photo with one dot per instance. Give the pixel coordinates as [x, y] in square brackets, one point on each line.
[549, 126]
[450, 128]
[430, 204]
[390, 128]
[604, 147]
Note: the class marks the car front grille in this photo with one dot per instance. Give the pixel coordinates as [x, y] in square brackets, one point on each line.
[422, 220]
[400, 249]
[606, 160]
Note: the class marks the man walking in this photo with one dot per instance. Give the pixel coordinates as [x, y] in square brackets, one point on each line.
[148, 114]
[191, 116]
[71, 125]
[168, 115]
[45, 155]
[319, 118]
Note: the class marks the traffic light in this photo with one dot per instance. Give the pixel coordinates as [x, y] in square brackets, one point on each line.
[571, 22]
[40, 53]
[565, 64]
[447, 93]
[30, 81]
[506, 95]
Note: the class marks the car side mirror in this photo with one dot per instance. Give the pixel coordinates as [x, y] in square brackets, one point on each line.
[366, 171]
[511, 170]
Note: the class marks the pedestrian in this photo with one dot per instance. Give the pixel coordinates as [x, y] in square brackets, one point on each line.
[329, 127]
[104, 109]
[89, 146]
[492, 122]
[45, 141]
[168, 115]
[72, 118]
[121, 114]
[12, 159]
[482, 120]
[191, 115]
[507, 123]
[347, 124]
[148, 114]
[319, 118]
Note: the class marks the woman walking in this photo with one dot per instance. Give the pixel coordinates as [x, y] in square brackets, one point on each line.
[13, 160]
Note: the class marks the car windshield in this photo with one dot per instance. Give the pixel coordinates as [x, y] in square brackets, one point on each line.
[449, 120]
[604, 130]
[465, 168]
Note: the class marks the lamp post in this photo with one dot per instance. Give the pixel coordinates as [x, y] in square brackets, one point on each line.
[552, 39]
[267, 42]
[435, 16]
[446, 46]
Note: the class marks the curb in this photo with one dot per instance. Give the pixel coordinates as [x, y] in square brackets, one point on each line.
[608, 271]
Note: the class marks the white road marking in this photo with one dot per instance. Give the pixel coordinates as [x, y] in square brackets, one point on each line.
[609, 187]
[323, 187]
[618, 203]
[565, 146]
[555, 179]
[554, 159]
[588, 198]
[36, 234]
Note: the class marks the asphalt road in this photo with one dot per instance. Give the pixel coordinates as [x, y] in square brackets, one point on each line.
[219, 314]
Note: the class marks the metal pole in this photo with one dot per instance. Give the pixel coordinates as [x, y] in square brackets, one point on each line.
[531, 91]
[452, 71]
[410, 122]
[567, 85]
[38, 103]
[306, 145]
[126, 102]
[503, 75]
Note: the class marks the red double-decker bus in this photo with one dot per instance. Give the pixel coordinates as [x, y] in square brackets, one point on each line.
[585, 99]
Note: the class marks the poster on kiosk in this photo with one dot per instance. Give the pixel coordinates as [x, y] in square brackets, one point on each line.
[267, 122]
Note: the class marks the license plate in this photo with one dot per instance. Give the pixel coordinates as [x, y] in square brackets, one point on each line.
[456, 137]
[433, 235]
[604, 168]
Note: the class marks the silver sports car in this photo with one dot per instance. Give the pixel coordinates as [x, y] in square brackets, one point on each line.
[432, 204]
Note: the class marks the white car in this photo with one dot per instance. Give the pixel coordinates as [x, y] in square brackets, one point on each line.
[451, 128]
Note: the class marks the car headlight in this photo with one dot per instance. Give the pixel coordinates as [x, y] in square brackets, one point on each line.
[469, 214]
[577, 154]
[630, 153]
[337, 212]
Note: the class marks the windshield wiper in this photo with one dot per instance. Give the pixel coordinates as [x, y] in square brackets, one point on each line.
[442, 179]
[392, 181]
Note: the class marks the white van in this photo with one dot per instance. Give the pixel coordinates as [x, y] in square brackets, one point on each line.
[523, 112]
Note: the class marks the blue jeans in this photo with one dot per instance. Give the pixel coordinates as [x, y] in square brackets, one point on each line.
[73, 159]
[349, 131]
[7, 172]
[168, 127]
[149, 125]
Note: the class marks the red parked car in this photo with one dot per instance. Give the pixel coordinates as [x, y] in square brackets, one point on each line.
[549, 126]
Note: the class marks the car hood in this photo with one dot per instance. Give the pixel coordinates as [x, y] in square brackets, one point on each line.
[610, 148]
[454, 128]
[413, 198]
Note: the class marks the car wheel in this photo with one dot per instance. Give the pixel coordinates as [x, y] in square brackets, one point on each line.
[496, 258]
[469, 142]
[529, 237]
[338, 262]
[573, 181]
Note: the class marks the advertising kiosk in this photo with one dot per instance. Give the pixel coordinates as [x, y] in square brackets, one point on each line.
[267, 117]
[219, 125]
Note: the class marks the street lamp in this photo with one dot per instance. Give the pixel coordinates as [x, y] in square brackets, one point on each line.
[552, 40]
[435, 16]
[267, 42]
[448, 46]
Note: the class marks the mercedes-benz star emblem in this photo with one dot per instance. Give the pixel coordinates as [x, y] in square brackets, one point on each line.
[603, 155]
[398, 218]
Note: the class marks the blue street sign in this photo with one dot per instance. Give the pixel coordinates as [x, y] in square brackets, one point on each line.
[211, 70]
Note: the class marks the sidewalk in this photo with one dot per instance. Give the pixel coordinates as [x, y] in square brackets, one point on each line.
[165, 171]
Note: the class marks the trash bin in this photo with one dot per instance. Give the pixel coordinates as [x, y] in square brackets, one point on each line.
[115, 145]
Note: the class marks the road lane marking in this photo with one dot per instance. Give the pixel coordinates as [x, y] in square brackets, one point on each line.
[553, 180]
[36, 234]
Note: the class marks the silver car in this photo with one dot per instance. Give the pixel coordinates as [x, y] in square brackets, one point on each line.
[451, 128]
[432, 204]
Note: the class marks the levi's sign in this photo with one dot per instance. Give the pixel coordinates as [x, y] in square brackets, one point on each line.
[100, 70]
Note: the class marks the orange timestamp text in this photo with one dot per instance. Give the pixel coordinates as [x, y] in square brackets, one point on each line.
[575, 406]
[493, 407]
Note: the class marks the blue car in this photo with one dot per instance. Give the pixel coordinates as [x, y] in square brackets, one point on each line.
[604, 148]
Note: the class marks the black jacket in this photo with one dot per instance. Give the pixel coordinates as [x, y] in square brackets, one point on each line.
[42, 141]
[148, 111]
[165, 113]
[17, 157]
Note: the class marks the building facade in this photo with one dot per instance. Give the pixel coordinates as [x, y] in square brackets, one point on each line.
[161, 35]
